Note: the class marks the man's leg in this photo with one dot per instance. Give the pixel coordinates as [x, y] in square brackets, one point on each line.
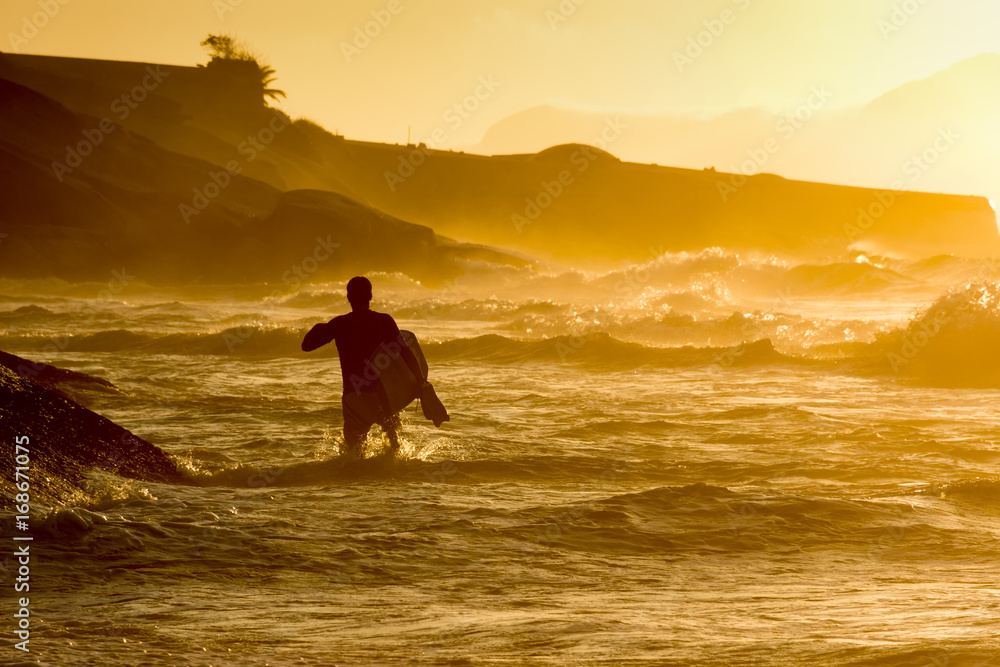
[391, 424]
[358, 418]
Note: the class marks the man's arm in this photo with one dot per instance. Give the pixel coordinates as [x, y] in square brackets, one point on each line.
[319, 335]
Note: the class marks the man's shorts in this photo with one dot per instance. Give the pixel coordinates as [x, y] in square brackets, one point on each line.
[361, 411]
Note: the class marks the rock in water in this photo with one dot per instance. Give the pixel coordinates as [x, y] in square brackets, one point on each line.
[65, 439]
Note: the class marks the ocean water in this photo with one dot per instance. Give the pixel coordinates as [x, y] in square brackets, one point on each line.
[709, 459]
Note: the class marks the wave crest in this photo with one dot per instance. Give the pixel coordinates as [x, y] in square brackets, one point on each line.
[954, 342]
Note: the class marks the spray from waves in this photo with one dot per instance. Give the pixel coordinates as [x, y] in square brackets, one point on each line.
[954, 343]
[601, 351]
[336, 470]
[689, 281]
[982, 491]
[597, 350]
[844, 278]
[675, 310]
[693, 282]
[661, 326]
[707, 286]
[258, 340]
[526, 325]
[978, 490]
[951, 343]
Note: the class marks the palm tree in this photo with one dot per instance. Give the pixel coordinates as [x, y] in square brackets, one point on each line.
[238, 58]
[267, 77]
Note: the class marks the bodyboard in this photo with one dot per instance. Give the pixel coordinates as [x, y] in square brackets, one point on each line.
[411, 342]
[430, 404]
[397, 384]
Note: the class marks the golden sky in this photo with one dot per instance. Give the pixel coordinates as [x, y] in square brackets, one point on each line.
[426, 56]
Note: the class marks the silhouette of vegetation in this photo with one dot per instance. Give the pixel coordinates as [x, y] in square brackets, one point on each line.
[236, 57]
[268, 76]
[226, 47]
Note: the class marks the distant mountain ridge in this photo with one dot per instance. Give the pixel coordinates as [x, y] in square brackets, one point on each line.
[867, 146]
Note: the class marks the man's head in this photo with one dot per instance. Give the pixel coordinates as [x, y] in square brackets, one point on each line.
[359, 292]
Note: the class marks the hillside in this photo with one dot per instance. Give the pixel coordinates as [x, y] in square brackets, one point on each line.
[133, 207]
[572, 203]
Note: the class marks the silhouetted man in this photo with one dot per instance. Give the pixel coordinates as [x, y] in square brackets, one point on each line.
[360, 335]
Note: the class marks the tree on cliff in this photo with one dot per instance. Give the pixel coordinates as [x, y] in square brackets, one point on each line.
[237, 58]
